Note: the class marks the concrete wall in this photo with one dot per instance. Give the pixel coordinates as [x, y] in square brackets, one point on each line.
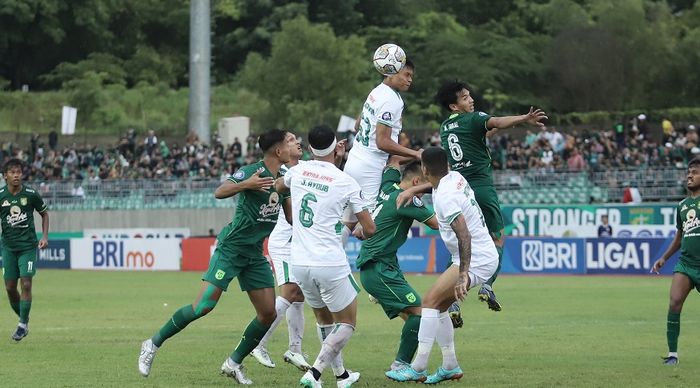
[198, 220]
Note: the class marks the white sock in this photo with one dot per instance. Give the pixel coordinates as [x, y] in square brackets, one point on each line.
[323, 332]
[332, 346]
[231, 363]
[295, 326]
[429, 324]
[345, 234]
[22, 325]
[673, 354]
[446, 340]
[281, 306]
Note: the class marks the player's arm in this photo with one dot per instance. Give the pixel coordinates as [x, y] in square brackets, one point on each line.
[396, 161]
[407, 195]
[534, 117]
[232, 187]
[432, 223]
[464, 244]
[367, 223]
[673, 248]
[340, 153]
[44, 242]
[386, 144]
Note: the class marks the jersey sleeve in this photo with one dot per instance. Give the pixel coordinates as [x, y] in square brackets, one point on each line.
[389, 113]
[447, 207]
[416, 210]
[479, 120]
[679, 222]
[390, 176]
[243, 173]
[355, 200]
[38, 203]
[287, 177]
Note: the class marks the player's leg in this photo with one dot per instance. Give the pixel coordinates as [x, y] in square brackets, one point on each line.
[367, 171]
[214, 282]
[487, 198]
[397, 298]
[257, 280]
[26, 261]
[295, 326]
[681, 285]
[10, 271]
[437, 299]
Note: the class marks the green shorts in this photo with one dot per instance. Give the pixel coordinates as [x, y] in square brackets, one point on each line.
[487, 199]
[16, 264]
[691, 272]
[388, 285]
[253, 273]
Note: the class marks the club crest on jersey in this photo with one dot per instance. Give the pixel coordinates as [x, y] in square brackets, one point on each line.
[5, 203]
[240, 174]
[417, 202]
[386, 116]
[23, 201]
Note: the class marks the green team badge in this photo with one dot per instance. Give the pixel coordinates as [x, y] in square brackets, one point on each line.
[23, 201]
[411, 298]
[219, 274]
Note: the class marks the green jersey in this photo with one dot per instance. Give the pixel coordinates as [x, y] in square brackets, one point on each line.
[463, 136]
[688, 223]
[17, 213]
[255, 217]
[392, 223]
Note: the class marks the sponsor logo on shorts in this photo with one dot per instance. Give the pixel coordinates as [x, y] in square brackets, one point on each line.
[219, 274]
[411, 297]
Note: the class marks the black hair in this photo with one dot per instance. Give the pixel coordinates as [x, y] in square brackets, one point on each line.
[12, 163]
[271, 138]
[434, 160]
[695, 162]
[321, 137]
[409, 64]
[411, 170]
[447, 94]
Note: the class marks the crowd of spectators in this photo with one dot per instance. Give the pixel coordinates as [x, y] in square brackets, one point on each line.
[629, 145]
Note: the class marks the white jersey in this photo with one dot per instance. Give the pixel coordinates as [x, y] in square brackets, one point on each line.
[453, 197]
[319, 192]
[280, 240]
[383, 106]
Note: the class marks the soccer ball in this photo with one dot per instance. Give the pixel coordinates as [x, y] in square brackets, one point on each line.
[389, 59]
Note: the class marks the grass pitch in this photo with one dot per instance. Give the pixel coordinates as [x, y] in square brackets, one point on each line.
[86, 329]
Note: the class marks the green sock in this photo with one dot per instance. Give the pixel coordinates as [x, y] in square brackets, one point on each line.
[673, 330]
[182, 317]
[15, 307]
[24, 307]
[498, 269]
[251, 337]
[409, 339]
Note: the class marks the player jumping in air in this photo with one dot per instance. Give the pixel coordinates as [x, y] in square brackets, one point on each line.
[238, 254]
[19, 244]
[686, 274]
[474, 261]
[379, 267]
[319, 192]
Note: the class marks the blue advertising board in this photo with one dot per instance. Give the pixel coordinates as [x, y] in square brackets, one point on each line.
[56, 255]
[543, 255]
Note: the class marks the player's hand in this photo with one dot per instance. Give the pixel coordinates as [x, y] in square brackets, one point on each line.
[404, 198]
[535, 117]
[257, 183]
[419, 153]
[461, 286]
[43, 243]
[358, 233]
[340, 148]
[657, 266]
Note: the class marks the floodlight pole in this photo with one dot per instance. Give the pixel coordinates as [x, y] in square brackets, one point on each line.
[200, 63]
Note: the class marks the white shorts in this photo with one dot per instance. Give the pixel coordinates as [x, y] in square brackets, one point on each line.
[480, 272]
[283, 270]
[367, 170]
[332, 287]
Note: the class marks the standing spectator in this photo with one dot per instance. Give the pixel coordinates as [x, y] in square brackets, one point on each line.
[604, 230]
[620, 134]
[643, 126]
[131, 140]
[53, 140]
[667, 126]
[236, 148]
[151, 141]
[575, 161]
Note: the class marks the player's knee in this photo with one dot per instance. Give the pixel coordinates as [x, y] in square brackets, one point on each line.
[431, 302]
[267, 317]
[203, 307]
[675, 305]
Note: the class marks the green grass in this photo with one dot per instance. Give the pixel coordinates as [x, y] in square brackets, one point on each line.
[87, 327]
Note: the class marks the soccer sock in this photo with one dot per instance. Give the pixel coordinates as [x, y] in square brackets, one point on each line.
[15, 306]
[281, 305]
[446, 340]
[498, 269]
[323, 332]
[251, 337]
[673, 330]
[332, 346]
[295, 326]
[182, 317]
[24, 307]
[429, 323]
[345, 235]
[409, 339]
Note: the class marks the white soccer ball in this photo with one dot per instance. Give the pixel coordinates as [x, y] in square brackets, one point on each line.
[389, 59]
